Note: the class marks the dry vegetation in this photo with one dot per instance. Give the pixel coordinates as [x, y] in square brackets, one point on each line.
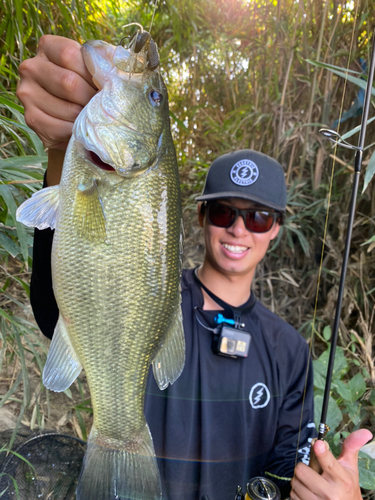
[238, 77]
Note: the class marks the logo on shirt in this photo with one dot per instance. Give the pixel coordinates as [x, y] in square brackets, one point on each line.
[244, 173]
[305, 451]
[259, 396]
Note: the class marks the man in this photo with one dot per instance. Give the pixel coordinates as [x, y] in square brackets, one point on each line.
[225, 419]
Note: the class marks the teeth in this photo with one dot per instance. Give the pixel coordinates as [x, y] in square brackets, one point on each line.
[234, 249]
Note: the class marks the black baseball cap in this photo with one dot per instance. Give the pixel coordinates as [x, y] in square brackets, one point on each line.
[249, 175]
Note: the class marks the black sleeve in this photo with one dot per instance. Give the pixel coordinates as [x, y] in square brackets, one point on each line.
[296, 427]
[42, 297]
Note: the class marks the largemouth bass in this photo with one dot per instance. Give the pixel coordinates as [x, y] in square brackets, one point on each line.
[116, 266]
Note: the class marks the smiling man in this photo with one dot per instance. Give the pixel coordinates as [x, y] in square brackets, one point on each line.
[241, 209]
[236, 410]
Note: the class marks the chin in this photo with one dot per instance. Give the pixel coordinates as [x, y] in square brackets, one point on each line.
[235, 268]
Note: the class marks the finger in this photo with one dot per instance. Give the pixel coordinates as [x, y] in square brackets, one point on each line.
[300, 491]
[331, 468]
[307, 480]
[351, 446]
[54, 133]
[65, 53]
[60, 82]
[35, 97]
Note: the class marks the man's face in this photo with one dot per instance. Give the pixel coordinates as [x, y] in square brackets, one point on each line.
[235, 250]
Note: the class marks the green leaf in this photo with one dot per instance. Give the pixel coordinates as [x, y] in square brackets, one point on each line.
[366, 467]
[82, 425]
[68, 392]
[327, 332]
[302, 239]
[334, 415]
[23, 161]
[357, 386]
[6, 193]
[355, 130]
[24, 285]
[340, 366]
[319, 380]
[365, 373]
[9, 245]
[336, 438]
[372, 397]
[343, 390]
[179, 122]
[341, 72]
[353, 410]
[11, 105]
[370, 171]
[367, 243]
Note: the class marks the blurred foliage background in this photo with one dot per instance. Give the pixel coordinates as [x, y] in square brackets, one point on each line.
[254, 74]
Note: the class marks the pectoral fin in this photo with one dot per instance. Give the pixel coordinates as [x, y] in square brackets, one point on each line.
[62, 366]
[169, 361]
[41, 209]
[88, 212]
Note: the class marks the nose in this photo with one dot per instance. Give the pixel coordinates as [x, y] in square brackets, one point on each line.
[238, 229]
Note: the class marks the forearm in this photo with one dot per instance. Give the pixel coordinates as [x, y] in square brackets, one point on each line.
[55, 164]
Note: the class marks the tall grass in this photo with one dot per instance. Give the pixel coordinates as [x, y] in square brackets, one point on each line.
[262, 75]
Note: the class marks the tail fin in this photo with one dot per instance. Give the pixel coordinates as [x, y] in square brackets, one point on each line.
[114, 473]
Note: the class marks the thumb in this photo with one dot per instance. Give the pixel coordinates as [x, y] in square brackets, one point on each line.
[351, 446]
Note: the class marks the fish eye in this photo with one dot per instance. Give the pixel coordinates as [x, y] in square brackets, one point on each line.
[155, 97]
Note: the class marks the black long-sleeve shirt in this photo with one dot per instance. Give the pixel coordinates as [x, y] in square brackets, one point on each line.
[224, 420]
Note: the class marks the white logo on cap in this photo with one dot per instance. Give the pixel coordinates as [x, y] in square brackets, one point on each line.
[244, 173]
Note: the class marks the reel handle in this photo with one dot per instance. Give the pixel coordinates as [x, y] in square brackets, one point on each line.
[259, 488]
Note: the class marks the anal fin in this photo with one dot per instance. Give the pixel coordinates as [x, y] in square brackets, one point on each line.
[62, 366]
[88, 213]
[170, 360]
[41, 209]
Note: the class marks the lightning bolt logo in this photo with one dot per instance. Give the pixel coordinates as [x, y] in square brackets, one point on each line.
[244, 173]
[259, 396]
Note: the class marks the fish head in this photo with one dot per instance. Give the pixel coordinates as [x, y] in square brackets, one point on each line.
[121, 129]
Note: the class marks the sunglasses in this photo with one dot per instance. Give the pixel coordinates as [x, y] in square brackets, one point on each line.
[256, 221]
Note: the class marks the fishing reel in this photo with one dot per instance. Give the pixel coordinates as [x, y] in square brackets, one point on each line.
[259, 488]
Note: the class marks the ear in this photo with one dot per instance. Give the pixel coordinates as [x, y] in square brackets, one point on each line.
[200, 215]
[275, 231]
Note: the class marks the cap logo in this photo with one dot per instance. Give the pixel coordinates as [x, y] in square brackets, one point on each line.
[244, 173]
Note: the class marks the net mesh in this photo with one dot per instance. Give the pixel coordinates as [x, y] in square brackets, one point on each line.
[56, 461]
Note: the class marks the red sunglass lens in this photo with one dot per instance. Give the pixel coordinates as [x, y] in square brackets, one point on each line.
[221, 215]
[259, 222]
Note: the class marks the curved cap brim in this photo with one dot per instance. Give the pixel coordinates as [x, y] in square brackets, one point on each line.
[236, 194]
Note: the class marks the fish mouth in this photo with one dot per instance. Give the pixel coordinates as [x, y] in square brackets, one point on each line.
[98, 162]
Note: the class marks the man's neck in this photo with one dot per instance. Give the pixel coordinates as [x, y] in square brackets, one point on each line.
[233, 289]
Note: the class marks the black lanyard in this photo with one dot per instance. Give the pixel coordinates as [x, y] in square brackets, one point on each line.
[235, 312]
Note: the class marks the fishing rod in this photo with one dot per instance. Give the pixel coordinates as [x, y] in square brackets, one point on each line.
[336, 138]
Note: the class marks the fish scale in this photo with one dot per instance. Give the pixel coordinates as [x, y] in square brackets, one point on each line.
[87, 307]
[116, 270]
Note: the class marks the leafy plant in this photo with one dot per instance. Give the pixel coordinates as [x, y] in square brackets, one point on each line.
[347, 409]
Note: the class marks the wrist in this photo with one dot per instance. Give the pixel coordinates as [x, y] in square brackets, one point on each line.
[54, 168]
